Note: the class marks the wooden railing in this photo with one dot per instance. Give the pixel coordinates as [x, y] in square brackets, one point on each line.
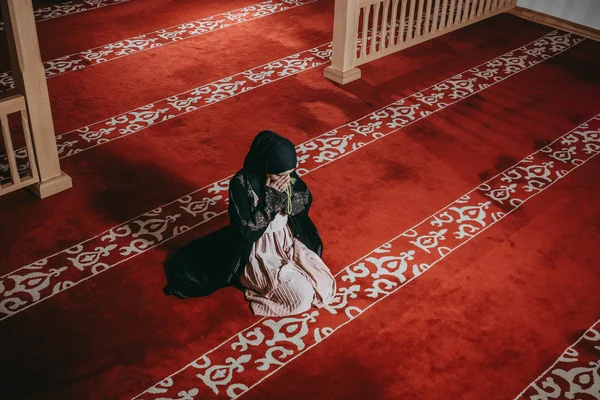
[45, 177]
[13, 105]
[365, 30]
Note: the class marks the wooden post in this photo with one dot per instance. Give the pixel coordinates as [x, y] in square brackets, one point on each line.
[345, 33]
[30, 80]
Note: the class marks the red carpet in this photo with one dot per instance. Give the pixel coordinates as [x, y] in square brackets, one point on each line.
[472, 296]
[48, 9]
[200, 206]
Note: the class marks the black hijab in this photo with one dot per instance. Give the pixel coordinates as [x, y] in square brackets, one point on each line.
[270, 154]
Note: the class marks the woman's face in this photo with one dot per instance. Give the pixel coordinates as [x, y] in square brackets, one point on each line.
[276, 177]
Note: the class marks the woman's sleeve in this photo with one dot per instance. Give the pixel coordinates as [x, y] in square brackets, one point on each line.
[301, 196]
[251, 222]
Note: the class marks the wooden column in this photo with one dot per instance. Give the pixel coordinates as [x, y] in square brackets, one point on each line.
[30, 80]
[345, 34]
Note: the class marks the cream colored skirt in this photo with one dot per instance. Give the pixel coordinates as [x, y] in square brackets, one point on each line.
[283, 277]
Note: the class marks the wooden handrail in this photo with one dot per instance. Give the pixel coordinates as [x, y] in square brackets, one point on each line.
[377, 21]
[12, 104]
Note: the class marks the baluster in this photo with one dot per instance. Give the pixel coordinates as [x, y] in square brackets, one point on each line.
[394, 22]
[10, 152]
[481, 7]
[473, 8]
[384, 26]
[428, 22]
[365, 29]
[418, 31]
[401, 36]
[435, 24]
[374, 25]
[466, 11]
[451, 13]
[458, 12]
[29, 144]
[411, 20]
[443, 22]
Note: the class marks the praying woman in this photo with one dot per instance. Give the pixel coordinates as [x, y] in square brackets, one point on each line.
[271, 249]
